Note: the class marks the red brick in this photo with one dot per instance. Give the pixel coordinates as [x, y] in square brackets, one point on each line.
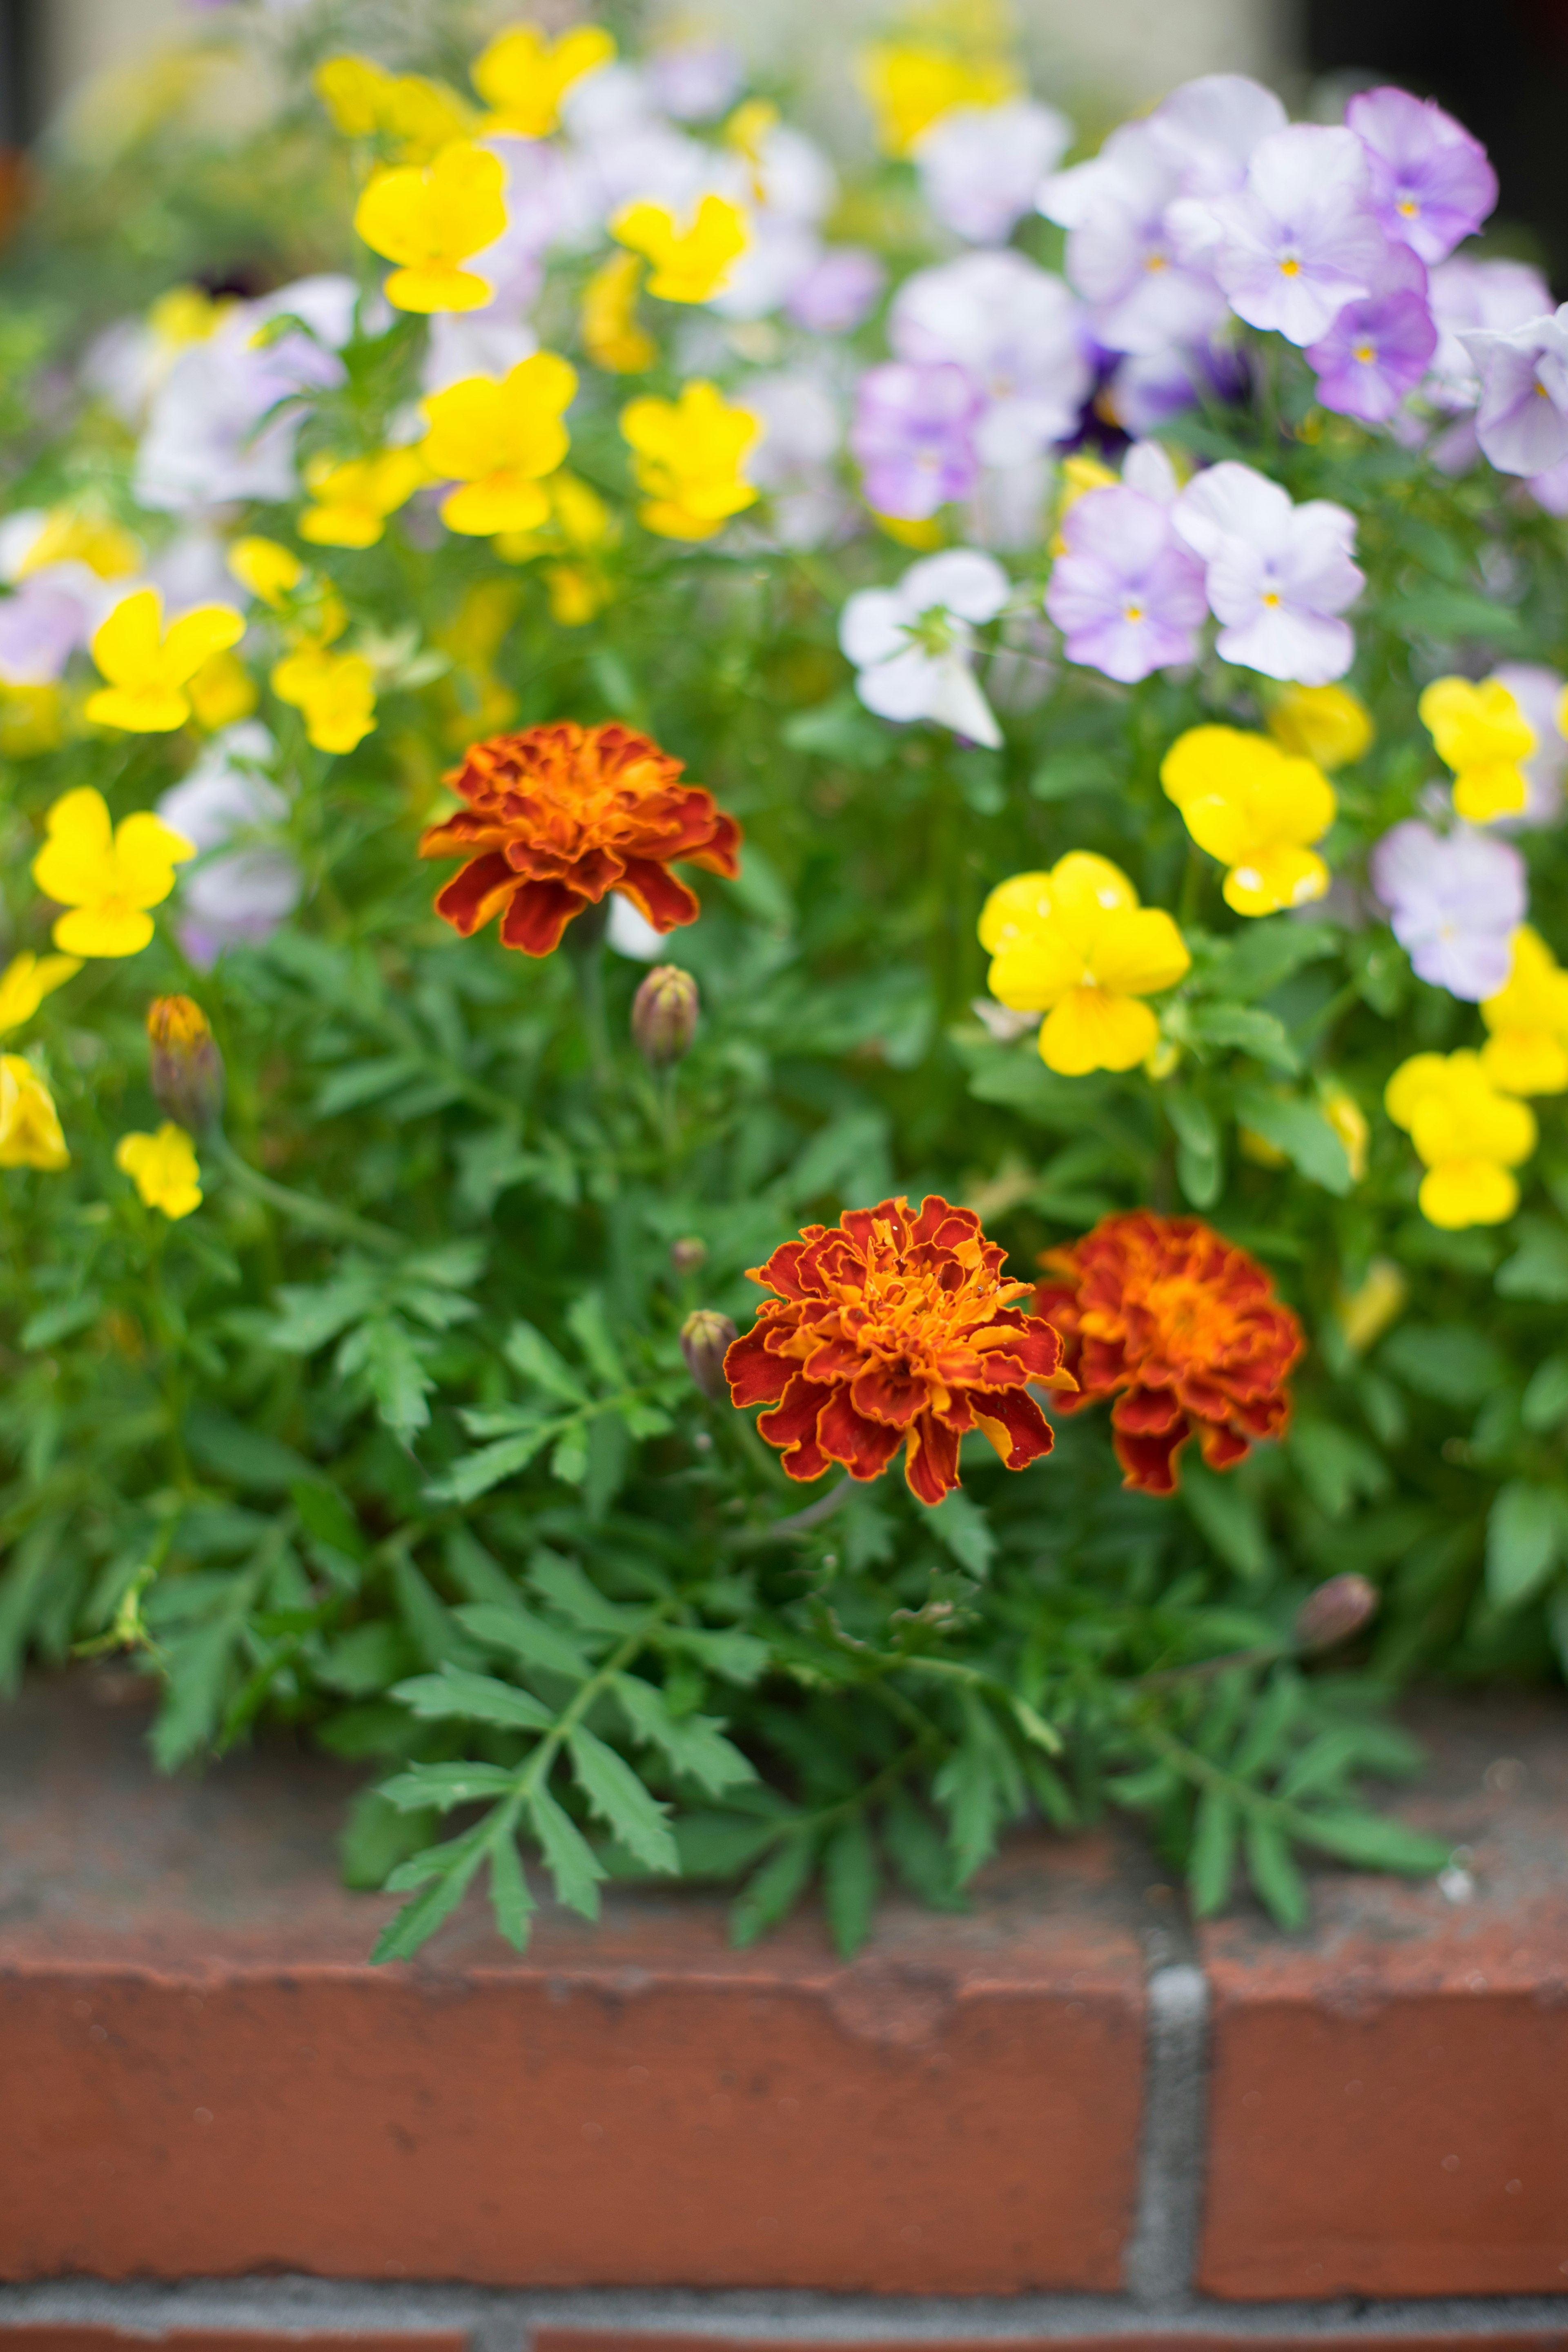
[209, 2080]
[1389, 2104]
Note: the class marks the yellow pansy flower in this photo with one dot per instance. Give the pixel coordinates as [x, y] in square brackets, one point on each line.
[148, 668]
[68, 537]
[1076, 945]
[335, 693]
[1257, 810]
[353, 499]
[222, 691]
[689, 262]
[30, 1134]
[26, 979]
[497, 440]
[107, 876]
[523, 74]
[186, 315]
[1527, 1052]
[1326, 724]
[1482, 734]
[163, 1167]
[271, 570]
[1469, 1136]
[419, 116]
[687, 456]
[611, 336]
[429, 218]
[910, 85]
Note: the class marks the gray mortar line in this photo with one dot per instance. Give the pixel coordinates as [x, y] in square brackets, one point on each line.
[503, 2319]
[1161, 2260]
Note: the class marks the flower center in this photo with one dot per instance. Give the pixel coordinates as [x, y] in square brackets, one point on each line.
[1290, 266]
[1132, 612]
[1366, 352]
[1155, 260]
[1271, 597]
[934, 631]
[1408, 209]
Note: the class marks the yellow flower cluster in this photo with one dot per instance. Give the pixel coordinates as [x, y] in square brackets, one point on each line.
[690, 262]
[163, 1167]
[1481, 733]
[910, 85]
[350, 499]
[1470, 1137]
[687, 455]
[1526, 1051]
[150, 669]
[334, 692]
[497, 441]
[430, 218]
[1074, 944]
[106, 876]
[1256, 808]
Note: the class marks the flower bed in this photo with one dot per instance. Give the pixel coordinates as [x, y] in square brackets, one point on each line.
[1116, 1023]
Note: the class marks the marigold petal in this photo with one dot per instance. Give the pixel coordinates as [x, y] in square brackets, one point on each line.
[1150, 1463]
[755, 1376]
[930, 1459]
[1014, 1425]
[471, 898]
[864, 1447]
[538, 915]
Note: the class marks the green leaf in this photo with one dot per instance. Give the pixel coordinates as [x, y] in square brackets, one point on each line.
[510, 1899]
[1448, 613]
[49, 1325]
[959, 1523]
[1538, 1267]
[1268, 951]
[530, 1354]
[694, 1744]
[918, 1852]
[573, 1866]
[1336, 1468]
[446, 1785]
[247, 1456]
[475, 1474]
[1372, 1841]
[455, 1695]
[843, 1160]
[1300, 1131]
[1527, 1531]
[516, 1630]
[968, 1788]
[418, 1921]
[198, 1671]
[569, 1461]
[562, 1583]
[1546, 1398]
[841, 730]
[1446, 1361]
[364, 1081]
[1275, 1880]
[1246, 1026]
[775, 1890]
[312, 1316]
[733, 1657]
[1227, 1515]
[621, 1801]
[392, 1364]
[1033, 1726]
[589, 1326]
[326, 1514]
[1213, 1857]
[850, 1883]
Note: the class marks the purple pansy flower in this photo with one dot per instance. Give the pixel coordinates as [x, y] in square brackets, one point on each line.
[1277, 574]
[1299, 241]
[842, 286]
[239, 895]
[1377, 349]
[1431, 183]
[1127, 596]
[1521, 423]
[1454, 901]
[1017, 329]
[981, 167]
[914, 436]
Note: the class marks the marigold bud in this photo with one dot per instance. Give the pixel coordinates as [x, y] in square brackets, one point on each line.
[187, 1067]
[688, 1255]
[1334, 1611]
[705, 1339]
[664, 1015]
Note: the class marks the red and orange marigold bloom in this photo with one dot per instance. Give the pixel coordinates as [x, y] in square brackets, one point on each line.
[1183, 1330]
[560, 814]
[889, 1329]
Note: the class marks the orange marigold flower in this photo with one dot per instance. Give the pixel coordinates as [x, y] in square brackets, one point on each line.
[1183, 1330]
[560, 814]
[889, 1329]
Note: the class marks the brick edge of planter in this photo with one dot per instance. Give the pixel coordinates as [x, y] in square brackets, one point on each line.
[1056, 2097]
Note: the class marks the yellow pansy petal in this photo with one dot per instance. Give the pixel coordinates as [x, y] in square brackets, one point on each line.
[1209, 761]
[139, 709]
[112, 928]
[500, 502]
[268, 570]
[524, 76]
[125, 645]
[1029, 974]
[1326, 724]
[1497, 789]
[1422, 1074]
[26, 979]
[1091, 1029]
[196, 637]
[1137, 951]
[1014, 909]
[1459, 1192]
[1275, 879]
[1348, 1121]
[1526, 1062]
[146, 852]
[163, 1169]
[1221, 825]
[1084, 888]
[72, 864]
[30, 1134]
[427, 287]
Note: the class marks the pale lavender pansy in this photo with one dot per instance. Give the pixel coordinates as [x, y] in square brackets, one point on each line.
[1431, 183]
[1297, 241]
[912, 645]
[981, 167]
[1376, 349]
[913, 436]
[842, 286]
[1454, 901]
[1126, 594]
[1538, 691]
[1521, 418]
[696, 79]
[233, 896]
[1016, 330]
[793, 463]
[1277, 576]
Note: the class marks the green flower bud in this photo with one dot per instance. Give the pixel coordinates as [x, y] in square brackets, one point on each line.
[186, 1068]
[688, 1255]
[705, 1339]
[1334, 1611]
[664, 1015]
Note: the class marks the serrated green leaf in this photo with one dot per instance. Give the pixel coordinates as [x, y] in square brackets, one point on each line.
[958, 1523]
[1546, 1398]
[850, 1883]
[476, 1474]
[530, 1354]
[391, 1361]
[1275, 1880]
[733, 1657]
[310, 1318]
[693, 1743]
[510, 1899]
[326, 1513]
[457, 1696]
[562, 1583]
[1372, 1841]
[1300, 1131]
[521, 1634]
[446, 1785]
[590, 1327]
[1227, 1515]
[418, 1921]
[573, 1866]
[568, 1460]
[1527, 1535]
[1246, 1026]
[622, 1804]
[774, 1891]
[968, 1789]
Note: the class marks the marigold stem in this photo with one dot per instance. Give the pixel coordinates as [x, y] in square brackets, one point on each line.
[299, 1206]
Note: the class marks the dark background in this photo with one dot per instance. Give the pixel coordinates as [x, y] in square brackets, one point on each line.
[1500, 66]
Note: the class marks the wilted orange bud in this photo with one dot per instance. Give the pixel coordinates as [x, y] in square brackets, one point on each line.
[664, 1015]
[1334, 1611]
[186, 1070]
[705, 1339]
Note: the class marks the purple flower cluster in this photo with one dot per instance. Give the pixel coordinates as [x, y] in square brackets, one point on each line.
[1454, 901]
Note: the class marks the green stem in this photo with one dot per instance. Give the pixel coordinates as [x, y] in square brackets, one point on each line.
[319, 1215]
